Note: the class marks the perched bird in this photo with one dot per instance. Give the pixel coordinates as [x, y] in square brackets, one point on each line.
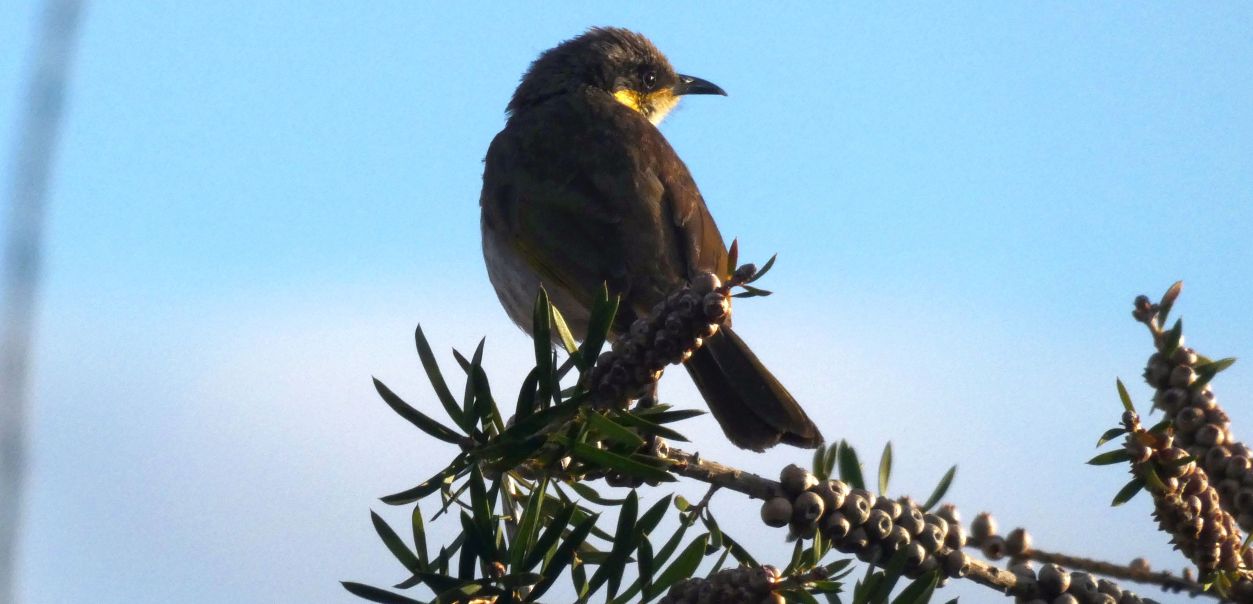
[581, 189]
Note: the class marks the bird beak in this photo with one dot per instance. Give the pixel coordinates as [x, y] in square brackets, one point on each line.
[694, 85]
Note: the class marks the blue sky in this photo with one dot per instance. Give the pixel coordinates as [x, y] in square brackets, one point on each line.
[254, 205]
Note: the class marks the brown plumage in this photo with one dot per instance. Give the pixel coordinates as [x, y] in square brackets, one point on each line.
[580, 189]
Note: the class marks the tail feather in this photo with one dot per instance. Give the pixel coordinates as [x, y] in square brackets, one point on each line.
[755, 411]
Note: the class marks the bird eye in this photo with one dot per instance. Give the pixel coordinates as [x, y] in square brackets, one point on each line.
[650, 80]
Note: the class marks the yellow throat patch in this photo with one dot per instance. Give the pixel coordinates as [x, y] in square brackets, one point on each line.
[654, 105]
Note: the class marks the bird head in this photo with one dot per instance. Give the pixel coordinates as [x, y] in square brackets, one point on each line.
[618, 62]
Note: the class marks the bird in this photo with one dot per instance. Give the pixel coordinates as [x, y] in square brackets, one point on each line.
[582, 191]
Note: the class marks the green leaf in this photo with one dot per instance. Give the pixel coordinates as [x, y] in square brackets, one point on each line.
[474, 548]
[796, 595]
[627, 465]
[740, 554]
[682, 568]
[478, 393]
[1151, 479]
[940, 489]
[611, 431]
[1110, 434]
[395, 544]
[415, 417]
[437, 381]
[828, 462]
[541, 334]
[604, 309]
[563, 331]
[649, 520]
[481, 508]
[1168, 301]
[528, 525]
[623, 542]
[1110, 458]
[469, 403]
[885, 468]
[1206, 372]
[549, 537]
[419, 537]
[645, 426]
[1128, 491]
[891, 574]
[668, 417]
[562, 557]
[761, 272]
[850, 467]
[733, 258]
[751, 292]
[820, 454]
[427, 486]
[1173, 337]
[919, 591]
[526, 395]
[1126, 398]
[798, 552]
[593, 495]
[375, 594]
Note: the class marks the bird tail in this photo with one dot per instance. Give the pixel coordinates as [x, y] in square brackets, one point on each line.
[755, 411]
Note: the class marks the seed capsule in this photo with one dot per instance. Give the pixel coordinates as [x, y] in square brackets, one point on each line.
[892, 508]
[1053, 580]
[984, 526]
[796, 480]
[994, 547]
[1018, 542]
[705, 283]
[1182, 376]
[856, 507]
[776, 511]
[807, 508]
[835, 526]
[956, 564]
[832, 492]
[878, 524]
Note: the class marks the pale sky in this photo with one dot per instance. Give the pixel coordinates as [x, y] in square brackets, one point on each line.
[255, 203]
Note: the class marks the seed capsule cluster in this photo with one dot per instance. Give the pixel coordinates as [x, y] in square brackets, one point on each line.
[1050, 584]
[1189, 508]
[1202, 429]
[744, 585]
[874, 528]
[671, 332]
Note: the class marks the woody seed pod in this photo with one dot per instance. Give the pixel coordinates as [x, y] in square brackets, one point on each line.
[776, 511]
[796, 480]
[984, 526]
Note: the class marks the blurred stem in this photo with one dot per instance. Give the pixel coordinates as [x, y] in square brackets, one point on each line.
[33, 156]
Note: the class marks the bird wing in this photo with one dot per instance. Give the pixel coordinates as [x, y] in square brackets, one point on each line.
[591, 193]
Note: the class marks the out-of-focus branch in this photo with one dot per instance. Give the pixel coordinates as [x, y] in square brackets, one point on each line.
[33, 155]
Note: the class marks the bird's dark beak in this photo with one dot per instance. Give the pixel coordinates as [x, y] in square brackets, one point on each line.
[694, 85]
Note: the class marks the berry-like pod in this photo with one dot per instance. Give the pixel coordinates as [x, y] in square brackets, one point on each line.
[856, 507]
[776, 511]
[1018, 542]
[994, 547]
[1053, 580]
[806, 509]
[983, 526]
[835, 526]
[796, 480]
[1082, 585]
[878, 524]
[832, 492]
[956, 564]
[956, 538]
[892, 508]
[705, 283]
